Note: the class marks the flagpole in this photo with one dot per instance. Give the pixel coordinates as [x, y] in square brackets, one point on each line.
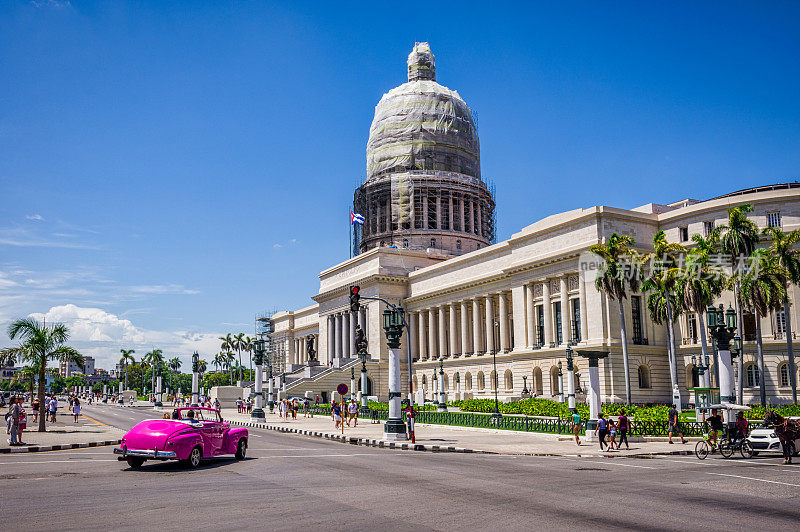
[350, 234]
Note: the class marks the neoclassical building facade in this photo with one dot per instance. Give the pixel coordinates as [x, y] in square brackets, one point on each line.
[514, 305]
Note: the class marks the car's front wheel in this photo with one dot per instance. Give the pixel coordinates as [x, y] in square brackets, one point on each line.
[194, 457]
[134, 462]
[241, 449]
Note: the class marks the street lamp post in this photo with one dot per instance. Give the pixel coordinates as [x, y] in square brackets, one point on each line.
[158, 403]
[594, 383]
[525, 391]
[258, 386]
[271, 390]
[363, 379]
[442, 396]
[560, 384]
[435, 388]
[496, 415]
[352, 383]
[723, 329]
[120, 399]
[570, 380]
[395, 427]
[195, 378]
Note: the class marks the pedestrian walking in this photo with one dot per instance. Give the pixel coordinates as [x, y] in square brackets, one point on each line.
[623, 426]
[612, 434]
[352, 413]
[35, 409]
[23, 422]
[239, 406]
[602, 429]
[306, 405]
[53, 407]
[336, 412]
[675, 424]
[76, 409]
[576, 426]
[12, 420]
[294, 409]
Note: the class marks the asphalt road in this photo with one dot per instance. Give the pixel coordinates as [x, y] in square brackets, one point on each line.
[292, 482]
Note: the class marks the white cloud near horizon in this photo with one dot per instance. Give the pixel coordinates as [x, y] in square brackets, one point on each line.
[35, 217]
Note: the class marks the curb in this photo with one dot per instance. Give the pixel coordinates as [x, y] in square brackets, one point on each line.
[352, 440]
[443, 449]
[60, 447]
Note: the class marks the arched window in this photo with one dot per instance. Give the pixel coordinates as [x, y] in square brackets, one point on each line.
[481, 381]
[692, 376]
[751, 375]
[509, 380]
[493, 380]
[468, 381]
[538, 385]
[554, 389]
[644, 377]
[458, 244]
[405, 242]
[783, 375]
[433, 242]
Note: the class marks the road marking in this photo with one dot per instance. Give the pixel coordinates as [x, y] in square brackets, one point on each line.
[60, 461]
[286, 449]
[758, 479]
[604, 462]
[90, 419]
[315, 455]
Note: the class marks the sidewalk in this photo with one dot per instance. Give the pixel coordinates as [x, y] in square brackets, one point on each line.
[63, 434]
[445, 438]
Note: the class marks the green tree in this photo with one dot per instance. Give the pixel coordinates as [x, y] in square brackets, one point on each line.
[783, 249]
[763, 288]
[174, 364]
[700, 282]
[40, 343]
[247, 347]
[662, 283]
[738, 238]
[127, 356]
[619, 273]
[216, 379]
[228, 344]
[238, 344]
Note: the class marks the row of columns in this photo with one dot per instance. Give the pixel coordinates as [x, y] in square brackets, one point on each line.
[342, 332]
[299, 352]
[549, 324]
[436, 331]
[466, 210]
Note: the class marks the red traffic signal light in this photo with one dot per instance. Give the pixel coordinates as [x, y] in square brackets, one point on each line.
[354, 297]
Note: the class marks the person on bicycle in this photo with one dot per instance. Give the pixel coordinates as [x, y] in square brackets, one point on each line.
[715, 422]
[740, 429]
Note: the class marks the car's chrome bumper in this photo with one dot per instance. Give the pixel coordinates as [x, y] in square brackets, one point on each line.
[145, 453]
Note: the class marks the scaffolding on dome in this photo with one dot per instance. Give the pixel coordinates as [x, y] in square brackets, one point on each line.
[274, 351]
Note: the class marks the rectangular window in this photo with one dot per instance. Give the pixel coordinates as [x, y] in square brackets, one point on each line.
[780, 322]
[774, 219]
[384, 208]
[684, 234]
[432, 201]
[576, 320]
[691, 321]
[540, 324]
[557, 314]
[636, 316]
[708, 227]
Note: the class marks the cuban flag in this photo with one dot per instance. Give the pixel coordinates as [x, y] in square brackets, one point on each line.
[356, 218]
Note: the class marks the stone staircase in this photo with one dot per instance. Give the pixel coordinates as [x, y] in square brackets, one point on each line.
[317, 379]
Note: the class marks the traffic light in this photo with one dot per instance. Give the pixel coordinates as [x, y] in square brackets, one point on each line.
[354, 297]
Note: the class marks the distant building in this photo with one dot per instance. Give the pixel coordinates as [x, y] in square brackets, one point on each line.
[68, 369]
[7, 373]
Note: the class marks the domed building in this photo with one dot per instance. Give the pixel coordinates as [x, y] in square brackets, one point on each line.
[424, 188]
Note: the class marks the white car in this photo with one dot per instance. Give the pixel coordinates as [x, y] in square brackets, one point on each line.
[764, 440]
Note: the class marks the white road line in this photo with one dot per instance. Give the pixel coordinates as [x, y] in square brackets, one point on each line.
[604, 462]
[285, 449]
[758, 479]
[59, 461]
[315, 455]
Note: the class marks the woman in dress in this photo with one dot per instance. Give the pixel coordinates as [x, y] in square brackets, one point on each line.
[76, 409]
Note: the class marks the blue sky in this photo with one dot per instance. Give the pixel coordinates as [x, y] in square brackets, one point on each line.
[168, 170]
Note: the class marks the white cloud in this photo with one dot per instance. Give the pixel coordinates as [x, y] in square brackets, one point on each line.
[5, 282]
[92, 324]
[277, 246]
[163, 289]
[35, 217]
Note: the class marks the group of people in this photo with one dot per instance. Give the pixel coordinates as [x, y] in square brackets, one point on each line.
[608, 428]
[288, 408]
[16, 421]
[244, 406]
[349, 415]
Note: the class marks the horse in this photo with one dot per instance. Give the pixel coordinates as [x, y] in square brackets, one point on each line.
[786, 430]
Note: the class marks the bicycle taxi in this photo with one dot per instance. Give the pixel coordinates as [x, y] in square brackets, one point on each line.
[729, 441]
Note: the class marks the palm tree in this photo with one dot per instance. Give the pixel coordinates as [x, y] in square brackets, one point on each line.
[127, 355]
[229, 359]
[700, 283]
[41, 343]
[617, 275]
[782, 248]
[763, 288]
[662, 302]
[247, 347]
[238, 344]
[219, 360]
[738, 238]
[154, 359]
[26, 374]
[174, 364]
[227, 345]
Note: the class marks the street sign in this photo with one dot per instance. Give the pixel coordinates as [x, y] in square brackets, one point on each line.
[342, 389]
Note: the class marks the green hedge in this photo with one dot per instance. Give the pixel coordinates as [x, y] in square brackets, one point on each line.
[758, 411]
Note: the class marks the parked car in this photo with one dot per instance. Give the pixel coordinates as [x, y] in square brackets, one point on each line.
[764, 440]
[189, 436]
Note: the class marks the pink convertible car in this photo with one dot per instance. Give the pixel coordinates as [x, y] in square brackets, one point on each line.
[189, 436]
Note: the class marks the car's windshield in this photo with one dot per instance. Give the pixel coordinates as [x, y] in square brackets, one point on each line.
[198, 415]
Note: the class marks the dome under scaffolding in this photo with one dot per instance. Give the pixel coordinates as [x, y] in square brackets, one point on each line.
[424, 187]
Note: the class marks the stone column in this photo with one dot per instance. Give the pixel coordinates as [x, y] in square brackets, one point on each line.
[331, 338]
[479, 217]
[454, 344]
[489, 311]
[352, 343]
[362, 319]
[584, 316]
[450, 212]
[412, 335]
[548, 313]
[346, 334]
[423, 348]
[338, 353]
[566, 331]
[442, 330]
[477, 344]
[464, 328]
[530, 309]
[503, 310]
[431, 332]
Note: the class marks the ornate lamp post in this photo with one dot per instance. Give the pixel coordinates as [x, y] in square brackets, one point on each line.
[158, 402]
[723, 329]
[525, 391]
[442, 396]
[195, 378]
[560, 383]
[352, 382]
[258, 412]
[594, 383]
[570, 380]
[435, 388]
[271, 390]
[364, 381]
[496, 416]
[395, 427]
[120, 399]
